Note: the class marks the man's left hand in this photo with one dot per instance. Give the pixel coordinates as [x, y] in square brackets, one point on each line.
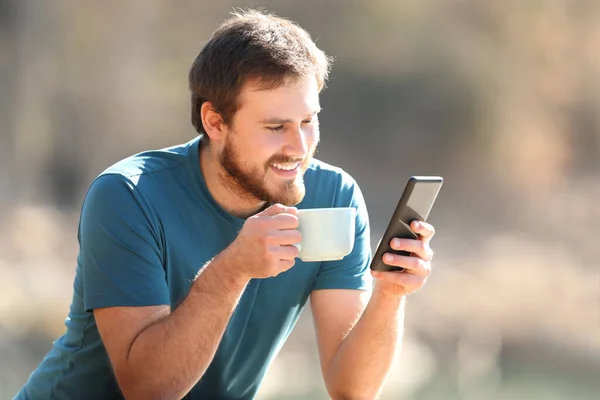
[417, 265]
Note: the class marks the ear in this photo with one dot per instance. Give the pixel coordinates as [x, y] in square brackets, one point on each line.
[212, 122]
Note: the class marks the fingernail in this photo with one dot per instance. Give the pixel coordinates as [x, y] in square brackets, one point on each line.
[396, 242]
[416, 225]
[388, 258]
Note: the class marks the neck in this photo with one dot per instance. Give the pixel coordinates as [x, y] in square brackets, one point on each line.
[223, 189]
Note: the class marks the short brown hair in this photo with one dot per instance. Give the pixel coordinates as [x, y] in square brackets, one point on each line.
[251, 45]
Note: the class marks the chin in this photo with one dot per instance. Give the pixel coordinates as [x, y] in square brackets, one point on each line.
[289, 197]
[288, 200]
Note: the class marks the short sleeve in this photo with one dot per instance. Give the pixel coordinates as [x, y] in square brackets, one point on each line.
[352, 272]
[120, 258]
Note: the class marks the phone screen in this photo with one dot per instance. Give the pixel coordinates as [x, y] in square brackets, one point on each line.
[422, 197]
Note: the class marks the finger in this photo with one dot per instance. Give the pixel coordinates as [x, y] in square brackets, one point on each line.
[277, 209]
[404, 280]
[418, 247]
[284, 221]
[280, 266]
[287, 252]
[423, 228]
[413, 265]
[284, 265]
[287, 237]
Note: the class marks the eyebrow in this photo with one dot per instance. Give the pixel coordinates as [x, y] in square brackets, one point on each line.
[281, 121]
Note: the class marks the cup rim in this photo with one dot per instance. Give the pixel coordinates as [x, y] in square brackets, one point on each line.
[328, 209]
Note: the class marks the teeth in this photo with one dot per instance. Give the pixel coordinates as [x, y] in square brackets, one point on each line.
[286, 167]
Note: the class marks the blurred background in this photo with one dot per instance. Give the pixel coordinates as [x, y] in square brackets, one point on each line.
[499, 97]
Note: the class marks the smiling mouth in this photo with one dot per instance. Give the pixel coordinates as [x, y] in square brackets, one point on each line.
[286, 167]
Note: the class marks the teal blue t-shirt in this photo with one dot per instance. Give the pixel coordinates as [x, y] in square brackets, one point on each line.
[148, 223]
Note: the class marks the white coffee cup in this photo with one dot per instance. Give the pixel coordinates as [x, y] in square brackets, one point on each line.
[327, 233]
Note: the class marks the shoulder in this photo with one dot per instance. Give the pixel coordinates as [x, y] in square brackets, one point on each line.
[134, 180]
[146, 170]
[151, 162]
[324, 175]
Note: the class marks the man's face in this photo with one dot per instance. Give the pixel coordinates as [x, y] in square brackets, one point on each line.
[271, 140]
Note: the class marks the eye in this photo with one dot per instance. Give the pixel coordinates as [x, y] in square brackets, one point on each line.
[275, 128]
[314, 120]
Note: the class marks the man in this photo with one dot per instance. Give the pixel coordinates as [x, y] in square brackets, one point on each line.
[187, 281]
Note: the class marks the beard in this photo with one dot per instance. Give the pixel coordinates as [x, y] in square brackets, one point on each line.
[251, 181]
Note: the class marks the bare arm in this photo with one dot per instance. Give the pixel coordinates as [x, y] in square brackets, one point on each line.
[157, 354]
[359, 337]
[350, 335]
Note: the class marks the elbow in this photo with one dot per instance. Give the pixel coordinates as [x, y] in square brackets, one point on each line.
[352, 396]
[137, 388]
[350, 393]
[350, 389]
[143, 393]
[135, 391]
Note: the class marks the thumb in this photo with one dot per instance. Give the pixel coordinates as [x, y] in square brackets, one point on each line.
[277, 209]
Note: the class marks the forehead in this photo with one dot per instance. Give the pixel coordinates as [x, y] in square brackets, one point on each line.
[295, 97]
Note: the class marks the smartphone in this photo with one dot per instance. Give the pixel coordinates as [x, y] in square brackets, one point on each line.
[415, 203]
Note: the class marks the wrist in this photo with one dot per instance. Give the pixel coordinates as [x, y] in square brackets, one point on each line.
[387, 297]
[221, 272]
[228, 269]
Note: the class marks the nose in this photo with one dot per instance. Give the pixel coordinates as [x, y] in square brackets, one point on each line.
[297, 143]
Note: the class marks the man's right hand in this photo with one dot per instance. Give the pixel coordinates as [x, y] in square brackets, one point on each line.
[265, 245]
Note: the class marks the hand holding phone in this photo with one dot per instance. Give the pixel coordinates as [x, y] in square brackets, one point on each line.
[416, 203]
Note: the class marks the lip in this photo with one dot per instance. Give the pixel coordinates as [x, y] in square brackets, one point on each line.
[286, 174]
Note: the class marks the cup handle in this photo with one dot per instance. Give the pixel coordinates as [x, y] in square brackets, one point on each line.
[298, 246]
